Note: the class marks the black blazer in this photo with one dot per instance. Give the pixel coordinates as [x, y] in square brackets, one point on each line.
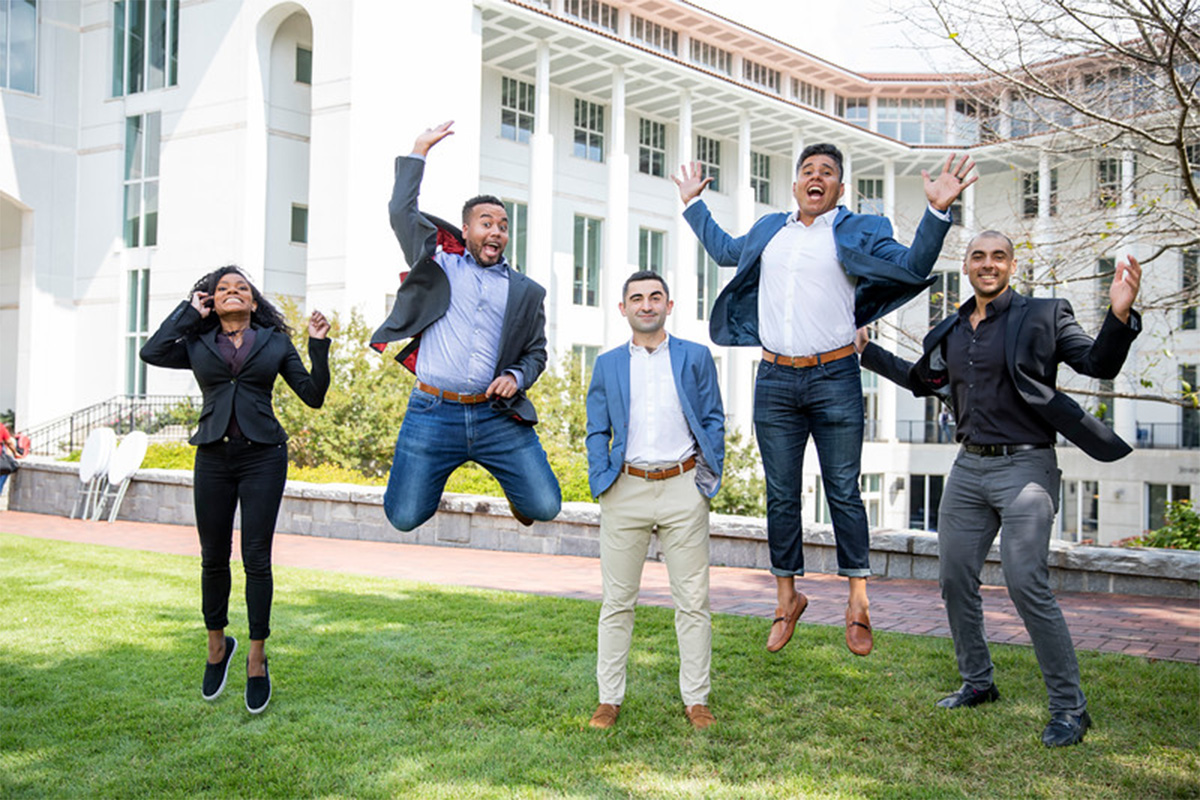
[249, 393]
[424, 295]
[1040, 333]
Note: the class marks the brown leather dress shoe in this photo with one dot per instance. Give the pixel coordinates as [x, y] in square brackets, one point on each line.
[784, 624]
[518, 516]
[605, 716]
[858, 633]
[699, 716]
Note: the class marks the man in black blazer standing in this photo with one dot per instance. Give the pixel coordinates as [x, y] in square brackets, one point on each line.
[478, 342]
[995, 362]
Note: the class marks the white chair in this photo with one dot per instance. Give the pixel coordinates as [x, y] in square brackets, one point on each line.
[129, 456]
[93, 468]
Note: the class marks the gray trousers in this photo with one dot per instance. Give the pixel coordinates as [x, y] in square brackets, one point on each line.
[1018, 494]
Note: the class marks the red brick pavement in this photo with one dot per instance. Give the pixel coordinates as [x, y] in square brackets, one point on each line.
[1153, 627]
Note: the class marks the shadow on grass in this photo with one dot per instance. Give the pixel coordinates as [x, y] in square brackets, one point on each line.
[386, 688]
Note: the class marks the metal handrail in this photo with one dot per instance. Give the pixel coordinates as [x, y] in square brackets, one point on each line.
[166, 416]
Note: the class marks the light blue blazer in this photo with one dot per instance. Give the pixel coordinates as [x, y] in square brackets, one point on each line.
[608, 413]
[889, 274]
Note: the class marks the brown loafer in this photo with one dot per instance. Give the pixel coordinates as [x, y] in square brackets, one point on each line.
[784, 624]
[518, 516]
[858, 633]
[605, 716]
[699, 716]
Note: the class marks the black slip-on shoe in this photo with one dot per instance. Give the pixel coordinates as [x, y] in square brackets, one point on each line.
[966, 697]
[258, 691]
[1066, 729]
[216, 674]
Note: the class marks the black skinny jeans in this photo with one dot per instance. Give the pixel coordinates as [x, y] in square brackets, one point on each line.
[225, 473]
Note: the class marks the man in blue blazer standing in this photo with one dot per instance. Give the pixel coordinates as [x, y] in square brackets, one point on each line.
[805, 281]
[656, 447]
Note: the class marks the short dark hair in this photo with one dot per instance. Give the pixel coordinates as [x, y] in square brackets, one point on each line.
[821, 149]
[991, 235]
[480, 200]
[644, 275]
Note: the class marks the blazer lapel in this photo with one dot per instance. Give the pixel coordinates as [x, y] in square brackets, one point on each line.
[210, 340]
[1016, 316]
[512, 312]
[261, 337]
[623, 381]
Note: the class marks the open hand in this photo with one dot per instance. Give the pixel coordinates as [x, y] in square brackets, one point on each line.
[202, 302]
[318, 326]
[693, 182]
[430, 137]
[942, 192]
[1124, 289]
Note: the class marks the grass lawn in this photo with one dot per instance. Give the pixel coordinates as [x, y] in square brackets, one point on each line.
[385, 688]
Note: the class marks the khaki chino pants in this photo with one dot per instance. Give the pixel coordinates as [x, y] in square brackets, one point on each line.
[629, 512]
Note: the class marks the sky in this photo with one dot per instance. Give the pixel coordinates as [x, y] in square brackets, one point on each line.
[862, 35]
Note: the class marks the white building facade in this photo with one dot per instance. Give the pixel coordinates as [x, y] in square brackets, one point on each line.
[145, 143]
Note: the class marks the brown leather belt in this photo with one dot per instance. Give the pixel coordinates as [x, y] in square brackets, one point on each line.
[453, 397]
[807, 361]
[660, 474]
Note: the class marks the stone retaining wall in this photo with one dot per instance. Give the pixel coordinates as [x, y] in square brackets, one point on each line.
[356, 512]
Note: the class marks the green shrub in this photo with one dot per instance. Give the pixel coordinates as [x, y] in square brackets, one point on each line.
[1182, 531]
[169, 455]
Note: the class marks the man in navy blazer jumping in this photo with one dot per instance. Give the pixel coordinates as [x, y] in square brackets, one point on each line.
[656, 447]
[805, 281]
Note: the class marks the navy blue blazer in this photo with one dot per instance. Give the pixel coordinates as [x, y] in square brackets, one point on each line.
[608, 413]
[249, 394]
[889, 274]
[1039, 334]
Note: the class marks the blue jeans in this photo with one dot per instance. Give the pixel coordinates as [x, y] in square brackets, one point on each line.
[438, 436]
[790, 403]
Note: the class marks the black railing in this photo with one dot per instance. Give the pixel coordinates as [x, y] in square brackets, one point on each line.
[924, 432]
[163, 416]
[1168, 436]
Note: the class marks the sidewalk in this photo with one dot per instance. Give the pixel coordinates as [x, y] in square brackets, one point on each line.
[1157, 628]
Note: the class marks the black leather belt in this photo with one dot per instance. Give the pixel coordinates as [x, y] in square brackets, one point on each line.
[992, 450]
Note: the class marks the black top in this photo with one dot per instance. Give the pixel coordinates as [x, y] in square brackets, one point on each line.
[987, 405]
[234, 356]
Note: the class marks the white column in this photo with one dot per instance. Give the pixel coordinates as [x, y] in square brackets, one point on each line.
[1043, 189]
[744, 194]
[968, 204]
[873, 113]
[889, 188]
[540, 249]
[616, 266]
[797, 149]
[1128, 165]
[848, 179]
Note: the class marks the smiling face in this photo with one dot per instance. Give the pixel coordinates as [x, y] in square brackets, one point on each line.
[233, 295]
[989, 266]
[486, 233]
[818, 187]
[647, 307]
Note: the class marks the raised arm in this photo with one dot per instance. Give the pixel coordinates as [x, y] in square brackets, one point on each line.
[167, 348]
[416, 234]
[310, 387]
[723, 248]
[1103, 356]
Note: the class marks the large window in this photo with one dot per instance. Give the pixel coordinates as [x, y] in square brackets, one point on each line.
[145, 45]
[516, 109]
[137, 329]
[589, 130]
[587, 262]
[1109, 180]
[807, 94]
[870, 196]
[654, 35]
[1079, 514]
[18, 45]
[1189, 416]
[299, 224]
[708, 282]
[304, 65]
[652, 250]
[1157, 497]
[711, 56]
[652, 147]
[760, 177]
[761, 75]
[585, 357]
[142, 135]
[518, 235]
[602, 15]
[1031, 188]
[912, 121]
[853, 109]
[943, 296]
[870, 384]
[708, 153]
[924, 496]
[1189, 282]
[871, 487]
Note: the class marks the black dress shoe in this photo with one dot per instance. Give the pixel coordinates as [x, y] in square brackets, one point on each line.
[966, 697]
[215, 674]
[258, 690]
[1066, 729]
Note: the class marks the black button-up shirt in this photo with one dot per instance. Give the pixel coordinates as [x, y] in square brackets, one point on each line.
[987, 406]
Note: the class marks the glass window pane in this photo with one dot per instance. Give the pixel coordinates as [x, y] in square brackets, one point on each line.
[135, 49]
[156, 62]
[150, 213]
[131, 365]
[131, 300]
[144, 305]
[133, 148]
[173, 46]
[152, 138]
[22, 46]
[133, 214]
[299, 224]
[580, 233]
[118, 62]
[303, 65]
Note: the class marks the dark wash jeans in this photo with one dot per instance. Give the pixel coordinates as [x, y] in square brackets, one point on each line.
[826, 402]
[438, 436]
[228, 473]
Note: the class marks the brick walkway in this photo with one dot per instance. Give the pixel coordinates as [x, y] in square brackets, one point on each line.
[1154, 627]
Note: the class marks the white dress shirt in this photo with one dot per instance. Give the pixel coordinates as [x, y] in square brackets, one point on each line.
[805, 297]
[658, 431]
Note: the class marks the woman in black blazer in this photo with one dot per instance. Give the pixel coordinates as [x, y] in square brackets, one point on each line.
[235, 343]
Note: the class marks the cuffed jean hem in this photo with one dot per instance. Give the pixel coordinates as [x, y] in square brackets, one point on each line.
[854, 573]
[786, 573]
